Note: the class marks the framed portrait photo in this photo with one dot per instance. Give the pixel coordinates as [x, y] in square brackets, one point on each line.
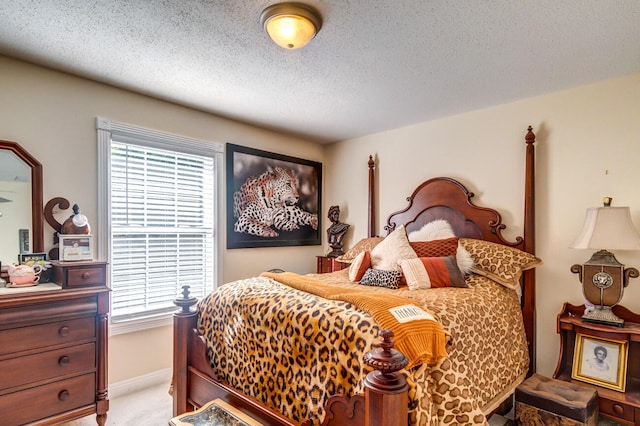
[23, 240]
[601, 362]
[75, 247]
[272, 199]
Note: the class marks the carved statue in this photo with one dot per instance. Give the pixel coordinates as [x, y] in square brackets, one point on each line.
[336, 232]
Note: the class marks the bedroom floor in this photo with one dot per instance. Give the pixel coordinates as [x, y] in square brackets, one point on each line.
[153, 407]
[508, 421]
[148, 407]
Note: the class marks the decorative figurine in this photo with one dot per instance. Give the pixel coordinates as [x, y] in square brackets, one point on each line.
[336, 232]
[77, 223]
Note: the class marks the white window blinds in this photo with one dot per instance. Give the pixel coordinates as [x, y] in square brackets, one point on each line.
[161, 198]
[161, 228]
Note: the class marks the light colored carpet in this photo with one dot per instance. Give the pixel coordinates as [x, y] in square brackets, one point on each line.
[153, 407]
[507, 420]
[148, 407]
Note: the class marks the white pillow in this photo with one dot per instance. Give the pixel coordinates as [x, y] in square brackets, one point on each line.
[391, 250]
[440, 229]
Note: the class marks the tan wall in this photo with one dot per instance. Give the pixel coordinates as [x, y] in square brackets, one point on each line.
[52, 115]
[588, 147]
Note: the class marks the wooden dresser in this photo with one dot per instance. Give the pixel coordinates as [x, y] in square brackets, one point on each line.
[53, 348]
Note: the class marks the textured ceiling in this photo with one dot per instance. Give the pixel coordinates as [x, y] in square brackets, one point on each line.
[375, 65]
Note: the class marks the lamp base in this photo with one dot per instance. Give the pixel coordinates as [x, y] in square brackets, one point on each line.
[603, 315]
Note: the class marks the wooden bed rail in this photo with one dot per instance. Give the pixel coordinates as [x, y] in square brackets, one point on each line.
[386, 390]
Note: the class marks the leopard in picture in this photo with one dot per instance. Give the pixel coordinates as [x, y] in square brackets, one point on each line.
[270, 201]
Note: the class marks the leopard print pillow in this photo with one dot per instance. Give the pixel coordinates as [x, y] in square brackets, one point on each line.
[381, 278]
[500, 263]
[365, 244]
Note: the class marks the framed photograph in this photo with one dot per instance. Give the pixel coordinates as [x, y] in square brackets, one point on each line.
[75, 247]
[602, 362]
[23, 240]
[272, 200]
[27, 258]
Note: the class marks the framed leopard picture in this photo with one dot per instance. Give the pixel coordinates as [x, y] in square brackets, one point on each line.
[272, 199]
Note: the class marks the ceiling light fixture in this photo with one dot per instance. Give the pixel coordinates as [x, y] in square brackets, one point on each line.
[291, 25]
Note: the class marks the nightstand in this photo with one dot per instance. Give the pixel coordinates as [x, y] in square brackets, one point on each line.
[619, 406]
[329, 264]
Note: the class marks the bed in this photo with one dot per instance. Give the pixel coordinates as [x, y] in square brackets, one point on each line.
[307, 350]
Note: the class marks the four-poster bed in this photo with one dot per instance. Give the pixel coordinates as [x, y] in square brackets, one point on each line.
[205, 368]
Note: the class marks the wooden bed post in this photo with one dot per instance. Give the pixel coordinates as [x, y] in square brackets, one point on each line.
[372, 199]
[386, 390]
[529, 277]
[183, 321]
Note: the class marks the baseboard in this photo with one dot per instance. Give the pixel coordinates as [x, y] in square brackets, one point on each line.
[140, 383]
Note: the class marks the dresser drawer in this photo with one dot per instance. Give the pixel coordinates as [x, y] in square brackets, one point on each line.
[36, 403]
[38, 336]
[617, 409]
[84, 276]
[47, 365]
[80, 274]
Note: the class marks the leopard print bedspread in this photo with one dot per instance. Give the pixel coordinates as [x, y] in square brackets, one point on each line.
[292, 350]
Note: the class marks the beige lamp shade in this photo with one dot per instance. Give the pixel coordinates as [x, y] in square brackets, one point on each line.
[291, 25]
[608, 228]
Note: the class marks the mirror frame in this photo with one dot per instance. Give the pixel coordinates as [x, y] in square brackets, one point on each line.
[37, 222]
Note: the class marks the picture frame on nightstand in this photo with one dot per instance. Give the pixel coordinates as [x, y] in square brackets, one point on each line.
[601, 362]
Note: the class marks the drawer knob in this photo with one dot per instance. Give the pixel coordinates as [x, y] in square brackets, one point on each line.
[64, 331]
[619, 409]
[85, 275]
[64, 361]
[63, 395]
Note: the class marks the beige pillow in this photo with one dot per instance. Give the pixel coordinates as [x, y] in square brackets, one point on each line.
[498, 262]
[365, 244]
[391, 250]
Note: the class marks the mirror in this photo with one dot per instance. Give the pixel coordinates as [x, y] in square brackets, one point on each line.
[21, 218]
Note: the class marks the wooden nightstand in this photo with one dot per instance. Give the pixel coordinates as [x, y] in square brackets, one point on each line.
[329, 264]
[620, 406]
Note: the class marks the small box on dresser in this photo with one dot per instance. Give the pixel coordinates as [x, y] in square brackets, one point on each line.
[80, 274]
[53, 349]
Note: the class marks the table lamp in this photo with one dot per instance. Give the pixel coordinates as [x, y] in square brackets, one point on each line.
[603, 278]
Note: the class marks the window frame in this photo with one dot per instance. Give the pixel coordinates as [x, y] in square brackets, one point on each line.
[152, 138]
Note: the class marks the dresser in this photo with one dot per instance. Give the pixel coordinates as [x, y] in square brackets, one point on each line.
[53, 348]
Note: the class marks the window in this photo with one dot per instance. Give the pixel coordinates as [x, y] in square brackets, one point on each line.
[158, 220]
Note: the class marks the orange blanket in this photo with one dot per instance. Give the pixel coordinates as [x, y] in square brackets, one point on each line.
[417, 334]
